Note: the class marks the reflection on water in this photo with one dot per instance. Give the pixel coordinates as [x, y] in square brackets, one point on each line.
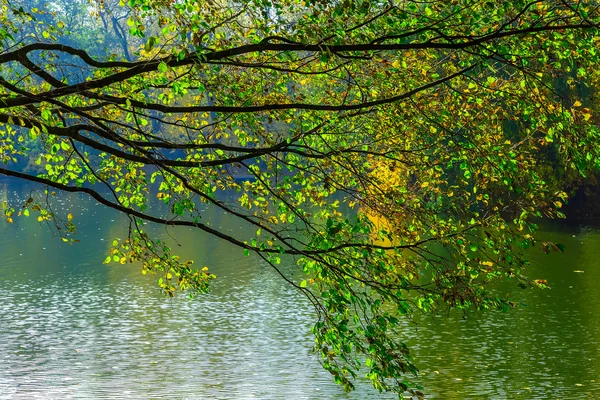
[72, 327]
[549, 349]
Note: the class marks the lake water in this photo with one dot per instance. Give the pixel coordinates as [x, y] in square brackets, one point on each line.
[71, 327]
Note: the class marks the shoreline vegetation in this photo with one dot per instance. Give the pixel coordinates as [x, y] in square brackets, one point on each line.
[459, 123]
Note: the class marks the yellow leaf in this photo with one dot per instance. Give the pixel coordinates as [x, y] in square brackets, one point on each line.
[577, 104]
[396, 64]
[424, 184]
[69, 216]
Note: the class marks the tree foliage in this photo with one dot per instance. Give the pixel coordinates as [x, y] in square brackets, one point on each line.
[398, 151]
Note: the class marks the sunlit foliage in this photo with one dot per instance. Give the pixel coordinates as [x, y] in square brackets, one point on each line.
[398, 151]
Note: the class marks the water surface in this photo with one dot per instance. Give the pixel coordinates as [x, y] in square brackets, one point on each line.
[72, 327]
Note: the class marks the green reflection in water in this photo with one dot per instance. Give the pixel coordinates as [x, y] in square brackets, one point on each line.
[547, 349]
[72, 326]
